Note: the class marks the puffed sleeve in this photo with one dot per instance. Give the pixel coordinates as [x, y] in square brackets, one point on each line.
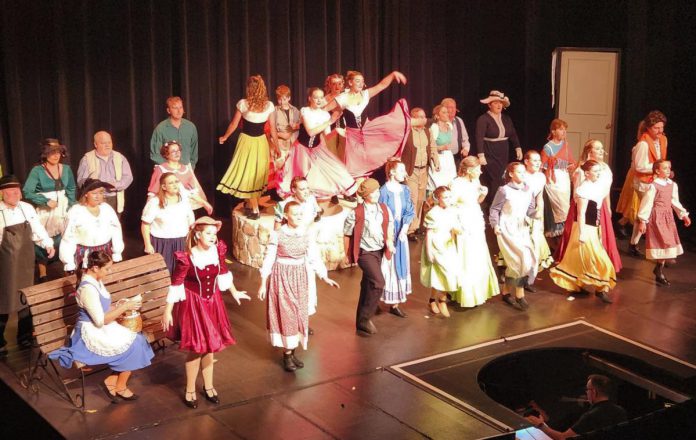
[270, 255]
[646, 204]
[224, 278]
[496, 207]
[242, 106]
[181, 267]
[68, 243]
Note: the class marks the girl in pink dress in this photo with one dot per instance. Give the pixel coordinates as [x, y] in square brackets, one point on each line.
[289, 251]
[195, 313]
[657, 222]
[310, 158]
[370, 143]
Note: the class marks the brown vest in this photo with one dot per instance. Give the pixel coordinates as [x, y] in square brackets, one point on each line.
[354, 244]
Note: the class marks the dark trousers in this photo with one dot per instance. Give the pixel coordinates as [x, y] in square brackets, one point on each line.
[24, 326]
[371, 285]
[113, 202]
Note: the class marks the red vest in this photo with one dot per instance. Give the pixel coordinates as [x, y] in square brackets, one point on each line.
[354, 244]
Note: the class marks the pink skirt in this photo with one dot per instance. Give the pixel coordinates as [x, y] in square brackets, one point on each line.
[326, 175]
[606, 231]
[379, 139]
[201, 325]
[661, 238]
[287, 318]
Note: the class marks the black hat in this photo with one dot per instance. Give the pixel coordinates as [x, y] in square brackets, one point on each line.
[9, 181]
[92, 184]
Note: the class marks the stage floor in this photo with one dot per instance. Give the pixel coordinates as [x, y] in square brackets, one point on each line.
[346, 389]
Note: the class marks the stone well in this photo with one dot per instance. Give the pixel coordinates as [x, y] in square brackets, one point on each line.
[250, 237]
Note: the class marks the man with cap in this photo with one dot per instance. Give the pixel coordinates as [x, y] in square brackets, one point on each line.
[368, 236]
[20, 228]
[107, 165]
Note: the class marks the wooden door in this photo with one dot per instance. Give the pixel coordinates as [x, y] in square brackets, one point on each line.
[587, 86]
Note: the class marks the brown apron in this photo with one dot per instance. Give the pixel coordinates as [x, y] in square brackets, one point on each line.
[17, 263]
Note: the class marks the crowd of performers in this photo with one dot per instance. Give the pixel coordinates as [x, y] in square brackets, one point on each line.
[546, 210]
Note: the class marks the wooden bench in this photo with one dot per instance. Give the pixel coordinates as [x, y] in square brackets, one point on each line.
[54, 312]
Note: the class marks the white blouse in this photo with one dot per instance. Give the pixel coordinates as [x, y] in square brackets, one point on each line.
[252, 116]
[86, 229]
[314, 117]
[172, 221]
[344, 101]
[646, 204]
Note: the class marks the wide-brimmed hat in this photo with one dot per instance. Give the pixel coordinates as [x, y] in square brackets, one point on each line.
[205, 220]
[496, 95]
[9, 181]
[92, 184]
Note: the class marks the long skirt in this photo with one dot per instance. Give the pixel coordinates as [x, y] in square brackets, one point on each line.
[247, 175]
[661, 238]
[584, 264]
[397, 288]
[369, 147]
[82, 252]
[541, 247]
[497, 156]
[478, 281]
[287, 319]
[201, 325]
[515, 243]
[558, 196]
[166, 247]
[606, 234]
[628, 202]
[447, 173]
[326, 175]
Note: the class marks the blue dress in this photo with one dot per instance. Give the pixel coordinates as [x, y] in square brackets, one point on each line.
[397, 270]
[111, 344]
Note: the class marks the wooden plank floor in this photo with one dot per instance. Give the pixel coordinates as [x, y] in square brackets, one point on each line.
[344, 391]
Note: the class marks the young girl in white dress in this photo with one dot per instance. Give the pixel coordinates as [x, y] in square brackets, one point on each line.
[509, 217]
[478, 277]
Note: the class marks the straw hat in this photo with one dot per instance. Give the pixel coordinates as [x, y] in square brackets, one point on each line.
[496, 95]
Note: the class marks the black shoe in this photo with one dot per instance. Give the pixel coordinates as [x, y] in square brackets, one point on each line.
[662, 281]
[508, 299]
[25, 343]
[288, 364]
[43, 279]
[193, 404]
[604, 297]
[412, 237]
[523, 303]
[634, 251]
[366, 328]
[350, 199]
[334, 200]
[211, 398]
[132, 398]
[254, 216]
[310, 331]
[107, 392]
[298, 363]
[530, 289]
[396, 311]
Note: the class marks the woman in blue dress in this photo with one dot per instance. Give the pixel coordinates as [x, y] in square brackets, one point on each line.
[97, 338]
[397, 270]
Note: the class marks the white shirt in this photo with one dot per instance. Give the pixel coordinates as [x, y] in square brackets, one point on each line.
[646, 204]
[357, 109]
[172, 221]
[19, 214]
[314, 117]
[86, 229]
[251, 116]
[310, 209]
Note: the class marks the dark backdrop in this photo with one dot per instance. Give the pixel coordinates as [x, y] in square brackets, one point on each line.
[70, 68]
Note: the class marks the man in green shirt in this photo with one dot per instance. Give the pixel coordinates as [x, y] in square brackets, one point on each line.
[175, 128]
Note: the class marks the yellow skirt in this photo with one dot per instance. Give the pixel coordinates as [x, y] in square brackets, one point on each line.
[584, 264]
[628, 200]
[247, 175]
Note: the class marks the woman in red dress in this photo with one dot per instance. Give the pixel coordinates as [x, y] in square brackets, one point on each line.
[195, 313]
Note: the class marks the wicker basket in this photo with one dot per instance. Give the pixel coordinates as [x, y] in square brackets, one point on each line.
[132, 320]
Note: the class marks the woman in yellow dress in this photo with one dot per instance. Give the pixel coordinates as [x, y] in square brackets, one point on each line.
[586, 262]
[247, 175]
